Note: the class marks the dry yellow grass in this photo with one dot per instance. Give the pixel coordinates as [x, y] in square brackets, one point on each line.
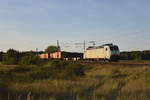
[105, 82]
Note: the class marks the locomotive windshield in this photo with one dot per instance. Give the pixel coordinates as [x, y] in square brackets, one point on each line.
[112, 48]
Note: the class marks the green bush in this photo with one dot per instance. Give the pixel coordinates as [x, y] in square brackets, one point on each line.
[11, 57]
[66, 70]
[29, 60]
[40, 73]
[56, 70]
[74, 70]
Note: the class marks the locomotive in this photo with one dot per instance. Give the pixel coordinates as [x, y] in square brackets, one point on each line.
[108, 52]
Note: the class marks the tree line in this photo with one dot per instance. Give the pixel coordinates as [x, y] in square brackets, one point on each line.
[135, 55]
[15, 57]
[29, 57]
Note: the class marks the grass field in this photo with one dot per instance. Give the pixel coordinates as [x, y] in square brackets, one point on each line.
[104, 82]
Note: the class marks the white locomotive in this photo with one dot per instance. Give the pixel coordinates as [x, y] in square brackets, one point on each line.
[106, 52]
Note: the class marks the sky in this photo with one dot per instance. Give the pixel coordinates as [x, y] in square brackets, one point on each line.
[30, 24]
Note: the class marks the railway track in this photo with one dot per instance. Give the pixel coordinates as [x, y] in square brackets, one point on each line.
[113, 63]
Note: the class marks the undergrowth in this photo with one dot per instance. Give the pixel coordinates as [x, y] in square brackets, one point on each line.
[58, 80]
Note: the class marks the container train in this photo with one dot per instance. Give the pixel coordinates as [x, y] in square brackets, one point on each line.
[108, 52]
